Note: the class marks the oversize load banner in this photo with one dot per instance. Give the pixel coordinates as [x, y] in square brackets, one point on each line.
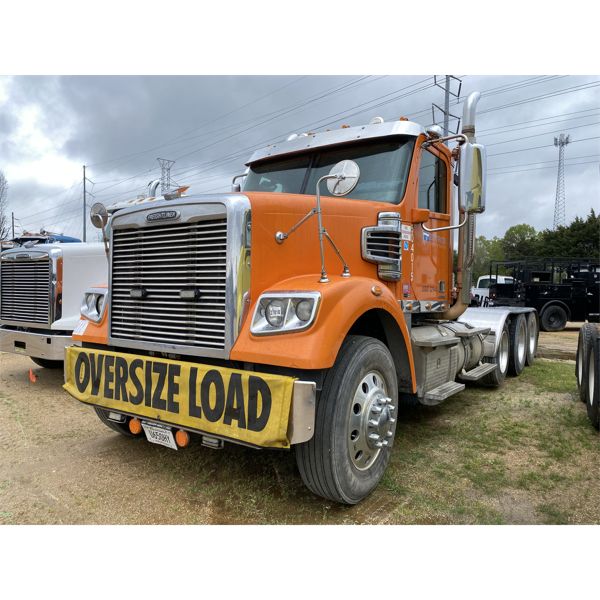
[247, 406]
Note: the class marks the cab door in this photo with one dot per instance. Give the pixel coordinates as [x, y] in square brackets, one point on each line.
[432, 269]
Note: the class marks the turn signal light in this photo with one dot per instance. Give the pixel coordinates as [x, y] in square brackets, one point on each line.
[182, 438]
[135, 426]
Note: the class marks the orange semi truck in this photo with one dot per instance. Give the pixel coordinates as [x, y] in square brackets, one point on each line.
[302, 309]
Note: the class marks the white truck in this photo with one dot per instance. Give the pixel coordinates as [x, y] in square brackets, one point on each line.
[41, 287]
[480, 294]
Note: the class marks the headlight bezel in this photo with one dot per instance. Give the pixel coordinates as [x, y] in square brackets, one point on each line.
[89, 304]
[291, 322]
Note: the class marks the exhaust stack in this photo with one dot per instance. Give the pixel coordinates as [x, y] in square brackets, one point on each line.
[152, 187]
[466, 234]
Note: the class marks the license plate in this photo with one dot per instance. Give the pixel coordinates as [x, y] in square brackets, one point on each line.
[159, 435]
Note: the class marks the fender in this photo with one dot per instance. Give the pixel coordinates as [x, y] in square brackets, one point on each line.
[343, 302]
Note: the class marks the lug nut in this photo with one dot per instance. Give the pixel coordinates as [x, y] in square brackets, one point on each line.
[374, 422]
[376, 409]
[379, 444]
[389, 434]
[385, 443]
[373, 436]
[392, 420]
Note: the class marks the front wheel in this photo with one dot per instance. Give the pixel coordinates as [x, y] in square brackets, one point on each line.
[355, 424]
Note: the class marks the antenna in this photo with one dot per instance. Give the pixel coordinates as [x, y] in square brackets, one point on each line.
[165, 174]
[559, 204]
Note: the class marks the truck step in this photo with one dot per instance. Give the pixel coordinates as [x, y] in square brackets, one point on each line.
[478, 372]
[441, 392]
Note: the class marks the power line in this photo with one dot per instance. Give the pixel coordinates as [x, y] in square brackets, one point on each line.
[544, 146]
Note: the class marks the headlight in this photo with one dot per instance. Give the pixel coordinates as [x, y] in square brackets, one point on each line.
[282, 312]
[92, 306]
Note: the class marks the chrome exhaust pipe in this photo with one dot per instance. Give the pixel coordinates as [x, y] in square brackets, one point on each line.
[466, 234]
[152, 187]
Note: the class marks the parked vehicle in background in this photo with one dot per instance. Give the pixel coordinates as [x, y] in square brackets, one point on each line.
[272, 317]
[44, 237]
[41, 287]
[587, 369]
[560, 289]
[480, 294]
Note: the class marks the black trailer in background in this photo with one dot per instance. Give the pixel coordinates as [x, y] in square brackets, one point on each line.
[560, 289]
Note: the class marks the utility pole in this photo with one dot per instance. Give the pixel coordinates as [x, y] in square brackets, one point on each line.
[559, 203]
[85, 195]
[165, 174]
[84, 210]
[446, 104]
[13, 225]
[447, 85]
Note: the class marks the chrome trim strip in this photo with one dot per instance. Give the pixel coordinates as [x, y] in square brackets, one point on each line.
[338, 136]
[423, 306]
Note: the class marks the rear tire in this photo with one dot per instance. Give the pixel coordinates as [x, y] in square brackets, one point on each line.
[593, 386]
[496, 378]
[581, 367]
[554, 318]
[355, 423]
[121, 428]
[518, 344]
[533, 333]
[46, 363]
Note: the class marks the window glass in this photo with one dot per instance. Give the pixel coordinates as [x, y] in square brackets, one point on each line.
[384, 167]
[432, 183]
[282, 176]
[484, 283]
[383, 170]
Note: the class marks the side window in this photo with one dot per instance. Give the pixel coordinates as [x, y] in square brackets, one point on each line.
[432, 183]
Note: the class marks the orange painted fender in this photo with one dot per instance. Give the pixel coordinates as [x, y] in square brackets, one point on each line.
[343, 301]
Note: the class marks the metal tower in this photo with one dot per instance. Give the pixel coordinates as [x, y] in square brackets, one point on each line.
[559, 204]
[165, 174]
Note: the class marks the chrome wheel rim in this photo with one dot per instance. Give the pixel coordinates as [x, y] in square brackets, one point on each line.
[503, 352]
[532, 330]
[372, 422]
[579, 362]
[591, 376]
[521, 340]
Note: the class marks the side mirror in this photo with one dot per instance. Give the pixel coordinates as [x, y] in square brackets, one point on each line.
[235, 186]
[99, 215]
[343, 178]
[472, 184]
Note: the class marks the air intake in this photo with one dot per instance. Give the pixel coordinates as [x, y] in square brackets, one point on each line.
[382, 245]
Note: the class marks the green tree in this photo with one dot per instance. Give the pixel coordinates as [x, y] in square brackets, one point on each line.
[520, 241]
[486, 251]
[579, 239]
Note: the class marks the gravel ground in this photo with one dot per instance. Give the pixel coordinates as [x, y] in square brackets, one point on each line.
[522, 454]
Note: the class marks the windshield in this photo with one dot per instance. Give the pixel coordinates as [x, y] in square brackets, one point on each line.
[384, 167]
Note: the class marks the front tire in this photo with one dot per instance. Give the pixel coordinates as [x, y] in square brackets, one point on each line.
[554, 318]
[46, 363]
[355, 424]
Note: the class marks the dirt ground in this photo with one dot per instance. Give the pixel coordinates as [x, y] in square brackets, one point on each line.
[560, 344]
[524, 453]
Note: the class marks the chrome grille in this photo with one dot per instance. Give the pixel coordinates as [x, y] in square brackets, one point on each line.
[159, 263]
[25, 289]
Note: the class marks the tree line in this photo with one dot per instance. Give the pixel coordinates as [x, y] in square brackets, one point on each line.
[579, 239]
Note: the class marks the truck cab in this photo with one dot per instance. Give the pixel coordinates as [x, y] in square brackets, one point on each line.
[41, 287]
[301, 309]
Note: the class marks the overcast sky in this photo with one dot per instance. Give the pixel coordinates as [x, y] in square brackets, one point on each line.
[118, 126]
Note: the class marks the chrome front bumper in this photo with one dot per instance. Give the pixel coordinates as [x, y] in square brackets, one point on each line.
[50, 347]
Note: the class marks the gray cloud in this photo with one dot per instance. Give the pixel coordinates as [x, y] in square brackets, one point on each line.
[119, 125]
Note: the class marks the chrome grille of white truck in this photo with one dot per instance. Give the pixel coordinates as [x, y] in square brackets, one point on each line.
[25, 289]
[169, 284]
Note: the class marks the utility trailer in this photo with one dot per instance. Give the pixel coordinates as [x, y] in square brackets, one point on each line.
[560, 289]
[224, 321]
